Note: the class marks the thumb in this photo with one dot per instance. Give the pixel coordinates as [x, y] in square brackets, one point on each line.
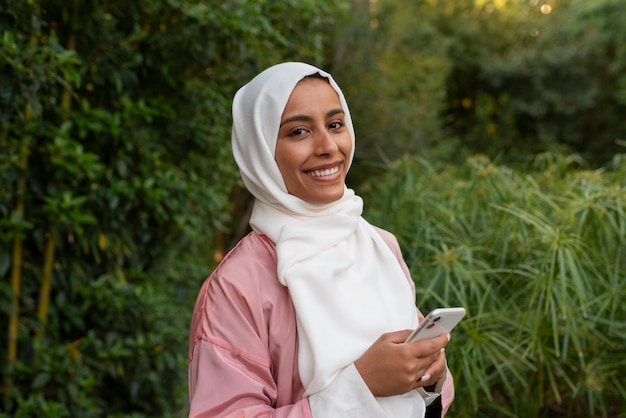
[397, 337]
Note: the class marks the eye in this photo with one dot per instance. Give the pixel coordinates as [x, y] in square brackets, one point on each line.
[297, 132]
[335, 125]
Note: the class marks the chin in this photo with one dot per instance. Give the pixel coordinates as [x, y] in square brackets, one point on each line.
[329, 199]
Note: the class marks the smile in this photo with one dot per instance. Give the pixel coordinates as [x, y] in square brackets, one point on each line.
[322, 173]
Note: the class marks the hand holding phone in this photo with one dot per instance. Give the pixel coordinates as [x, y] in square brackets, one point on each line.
[438, 321]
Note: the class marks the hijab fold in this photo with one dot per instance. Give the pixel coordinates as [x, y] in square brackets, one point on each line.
[346, 284]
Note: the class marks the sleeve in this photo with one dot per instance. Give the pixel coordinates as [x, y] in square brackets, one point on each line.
[222, 383]
[447, 393]
[347, 396]
[444, 389]
[242, 341]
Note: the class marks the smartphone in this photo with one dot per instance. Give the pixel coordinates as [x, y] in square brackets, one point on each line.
[438, 321]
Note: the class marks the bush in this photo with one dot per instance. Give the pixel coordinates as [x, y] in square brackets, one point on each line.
[115, 177]
[536, 255]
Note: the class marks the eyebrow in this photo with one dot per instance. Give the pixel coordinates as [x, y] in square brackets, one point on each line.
[297, 118]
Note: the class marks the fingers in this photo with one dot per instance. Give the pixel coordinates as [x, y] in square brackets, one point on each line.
[430, 359]
[431, 346]
[390, 366]
[434, 372]
[396, 337]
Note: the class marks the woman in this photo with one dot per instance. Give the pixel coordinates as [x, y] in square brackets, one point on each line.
[308, 314]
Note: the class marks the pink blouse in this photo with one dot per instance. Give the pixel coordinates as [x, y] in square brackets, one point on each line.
[243, 343]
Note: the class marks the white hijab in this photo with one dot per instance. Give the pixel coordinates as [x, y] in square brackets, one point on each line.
[346, 284]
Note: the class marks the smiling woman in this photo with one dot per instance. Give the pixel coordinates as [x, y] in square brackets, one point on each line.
[308, 315]
[313, 143]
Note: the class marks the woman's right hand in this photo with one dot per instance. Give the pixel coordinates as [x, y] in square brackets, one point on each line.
[392, 367]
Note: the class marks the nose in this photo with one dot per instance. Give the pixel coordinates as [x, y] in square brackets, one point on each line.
[325, 143]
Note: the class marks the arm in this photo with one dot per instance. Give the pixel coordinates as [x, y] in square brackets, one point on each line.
[223, 383]
[243, 348]
[243, 340]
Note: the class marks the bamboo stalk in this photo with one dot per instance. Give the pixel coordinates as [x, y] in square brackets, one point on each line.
[16, 259]
[46, 280]
[17, 253]
[16, 270]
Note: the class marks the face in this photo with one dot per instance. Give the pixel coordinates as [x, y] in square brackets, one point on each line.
[313, 146]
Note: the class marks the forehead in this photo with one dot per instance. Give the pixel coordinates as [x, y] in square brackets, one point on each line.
[310, 94]
[313, 81]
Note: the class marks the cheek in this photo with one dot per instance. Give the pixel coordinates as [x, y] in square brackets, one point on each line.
[284, 170]
[287, 159]
[346, 147]
[291, 155]
[289, 173]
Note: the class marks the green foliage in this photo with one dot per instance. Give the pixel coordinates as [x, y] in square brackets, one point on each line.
[393, 73]
[116, 122]
[117, 356]
[536, 255]
[555, 81]
[444, 80]
[114, 147]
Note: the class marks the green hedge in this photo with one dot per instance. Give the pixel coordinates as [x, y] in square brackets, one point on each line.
[115, 180]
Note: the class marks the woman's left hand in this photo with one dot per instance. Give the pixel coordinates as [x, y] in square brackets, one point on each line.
[392, 367]
[435, 372]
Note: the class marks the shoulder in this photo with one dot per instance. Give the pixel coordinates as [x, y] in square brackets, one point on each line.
[386, 235]
[252, 252]
[249, 268]
[240, 289]
[390, 239]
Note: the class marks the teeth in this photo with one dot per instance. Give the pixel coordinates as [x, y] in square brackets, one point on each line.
[320, 173]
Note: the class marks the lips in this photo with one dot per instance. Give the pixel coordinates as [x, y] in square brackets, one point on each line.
[324, 172]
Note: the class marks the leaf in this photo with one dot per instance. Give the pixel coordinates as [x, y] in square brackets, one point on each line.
[72, 75]
[40, 381]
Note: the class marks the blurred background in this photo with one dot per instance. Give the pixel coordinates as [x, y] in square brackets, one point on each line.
[491, 140]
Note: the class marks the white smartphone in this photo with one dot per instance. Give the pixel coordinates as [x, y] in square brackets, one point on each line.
[438, 321]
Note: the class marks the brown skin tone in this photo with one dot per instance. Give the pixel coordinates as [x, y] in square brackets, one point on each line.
[392, 367]
[313, 144]
[312, 151]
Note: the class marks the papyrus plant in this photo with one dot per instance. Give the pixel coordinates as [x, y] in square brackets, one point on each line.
[537, 254]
